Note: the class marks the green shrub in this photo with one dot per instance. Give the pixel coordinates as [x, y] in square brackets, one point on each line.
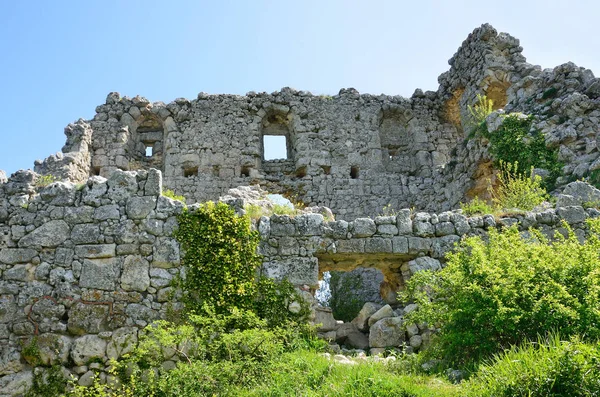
[220, 258]
[478, 113]
[514, 142]
[547, 368]
[476, 207]
[45, 180]
[495, 294]
[516, 190]
[171, 194]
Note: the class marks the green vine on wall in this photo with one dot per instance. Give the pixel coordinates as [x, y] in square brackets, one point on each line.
[221, 267]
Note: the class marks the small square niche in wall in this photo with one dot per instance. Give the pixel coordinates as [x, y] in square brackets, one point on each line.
[149, 150]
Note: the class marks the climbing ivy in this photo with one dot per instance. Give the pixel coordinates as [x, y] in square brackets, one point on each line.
[221, 267]
[220, 258]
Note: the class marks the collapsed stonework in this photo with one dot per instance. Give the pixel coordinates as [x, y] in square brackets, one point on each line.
[86, 262]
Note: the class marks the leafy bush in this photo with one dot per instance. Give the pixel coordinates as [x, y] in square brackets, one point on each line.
[548, 368]
[477, 207]
[515, 190]
[171, 194]
[45, 180]
[492, 295]
[515, 142]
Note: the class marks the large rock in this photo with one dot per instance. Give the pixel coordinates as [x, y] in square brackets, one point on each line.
[50, 234]
[165, 253]
[357, 340]
[124, 340]
[423, 263]
[99, 274]
[582, 192]
[140, 207]
[135, 276]
[384, 312]
[53, 349]
[10, 256]
[387, 332]
[364, 227]
[324, 317]
[15, 384]
[368, 309]
[88, 348]
[88, 319]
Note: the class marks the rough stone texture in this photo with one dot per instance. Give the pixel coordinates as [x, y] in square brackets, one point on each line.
[386, 332]
[86, 266]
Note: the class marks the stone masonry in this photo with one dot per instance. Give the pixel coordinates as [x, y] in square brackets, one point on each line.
[86, 262]
[354, 153]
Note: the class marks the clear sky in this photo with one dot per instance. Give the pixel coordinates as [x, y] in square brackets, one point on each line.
[59, 59]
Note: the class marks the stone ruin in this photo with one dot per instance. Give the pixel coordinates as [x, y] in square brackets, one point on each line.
[86, 262]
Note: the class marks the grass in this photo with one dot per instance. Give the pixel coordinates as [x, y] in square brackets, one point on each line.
[304, 373]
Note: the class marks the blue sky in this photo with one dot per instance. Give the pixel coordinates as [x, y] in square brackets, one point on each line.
[59, 59]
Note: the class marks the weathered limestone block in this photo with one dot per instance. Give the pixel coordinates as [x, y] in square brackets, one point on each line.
[135, 276]
[10, 256]
[324, 317]
[123, 341]
[384, 312]
[107, 212]
[50, 234]
[572, 214]
[88, 318]
[15, 384]
[344, 330]
[336, 229]
[87, 348]
[83, 214]
[357, 340]
[350, 246]
[18, 273]
[368, 309]
[121, 185]
[153, 186]
[424, 263]
[138, 312]
[363, 227]
[165, 253]
[399, 245]
[86, 233]
[96, 251]
[53, 348]
[387, 332]
[298, 270]
[8, 307]
[140, 207]
[378, 245]
[99, 274]
[444, 229]
[309, 224]
[10, 360]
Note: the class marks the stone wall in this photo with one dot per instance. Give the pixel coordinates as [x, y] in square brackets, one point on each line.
[352, 152]
[83, 268]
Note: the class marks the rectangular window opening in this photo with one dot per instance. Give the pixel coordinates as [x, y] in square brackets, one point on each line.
[189, 172]
[275, 147]
[149, 150]
[215, 170]
[354, 172]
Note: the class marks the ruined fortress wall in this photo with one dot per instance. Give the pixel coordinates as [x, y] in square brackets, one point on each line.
[354, 153]
[83, 268]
